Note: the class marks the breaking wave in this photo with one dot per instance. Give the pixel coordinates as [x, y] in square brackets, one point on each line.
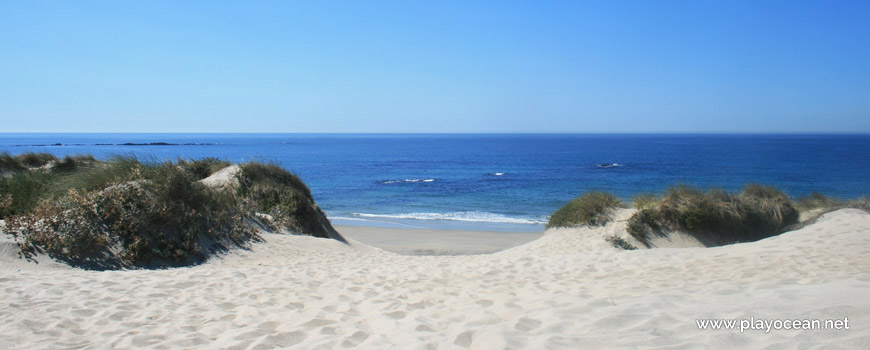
[473, 216]
[407, 181]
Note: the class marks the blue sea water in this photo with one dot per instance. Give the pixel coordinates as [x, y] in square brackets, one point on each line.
[509, 182]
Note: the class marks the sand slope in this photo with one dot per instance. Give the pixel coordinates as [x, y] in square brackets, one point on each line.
[566, 290]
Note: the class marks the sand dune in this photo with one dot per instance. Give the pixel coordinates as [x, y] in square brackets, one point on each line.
[565, 290]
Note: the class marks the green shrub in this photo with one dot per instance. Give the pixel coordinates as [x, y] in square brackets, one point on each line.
[62, 227]
[619, 242]
[590, 209]
[164, 217]
[125, 212]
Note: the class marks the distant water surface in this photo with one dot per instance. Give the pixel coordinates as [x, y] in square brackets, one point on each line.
[507, 182]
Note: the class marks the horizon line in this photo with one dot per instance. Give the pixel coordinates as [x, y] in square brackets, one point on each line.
[464, 132]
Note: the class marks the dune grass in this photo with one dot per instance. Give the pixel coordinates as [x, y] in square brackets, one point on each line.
[590, 209]
[8, 163]
[269, 189]
[23, 181]
[21, 191]
[715, 215]
[644, 200]
[816, 204]
[34, 160]
[125, 212]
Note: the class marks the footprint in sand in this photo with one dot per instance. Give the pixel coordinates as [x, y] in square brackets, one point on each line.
[120, 315]
[226, 306]
[417, 306]
[269, 326]
[484, 302]
[297, 306]
[424, 328]
[284, 339]
[527, 324]
[252, 334]
[355, 339]
[318, 322]
[464, 339]
[396, 315]
[83, 312]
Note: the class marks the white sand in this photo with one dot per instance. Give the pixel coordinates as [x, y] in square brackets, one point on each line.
[228, 177]
[436, 242]
[566, 290]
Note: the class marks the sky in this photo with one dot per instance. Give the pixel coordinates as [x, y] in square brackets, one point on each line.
[435, 66]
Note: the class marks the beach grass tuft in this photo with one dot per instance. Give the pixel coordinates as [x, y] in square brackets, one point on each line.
[619, 242]
[644, 200]
[642, 222]
[34, 160]
[590, 209]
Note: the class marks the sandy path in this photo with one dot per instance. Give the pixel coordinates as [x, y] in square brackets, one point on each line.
[566, 290]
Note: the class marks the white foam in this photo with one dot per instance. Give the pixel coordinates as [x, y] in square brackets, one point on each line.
[407, 181]
[473, 216]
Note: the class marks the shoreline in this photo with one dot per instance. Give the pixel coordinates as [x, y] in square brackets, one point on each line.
[438, 224]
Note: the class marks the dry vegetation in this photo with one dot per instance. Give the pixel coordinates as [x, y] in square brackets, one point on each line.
[715, 215]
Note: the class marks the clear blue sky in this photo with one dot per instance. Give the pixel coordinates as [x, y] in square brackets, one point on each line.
[435, 66]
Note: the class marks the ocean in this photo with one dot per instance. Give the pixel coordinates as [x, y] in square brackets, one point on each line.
[501, 182]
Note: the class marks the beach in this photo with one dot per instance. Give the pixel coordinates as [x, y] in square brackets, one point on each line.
[434, 175]
[567, 289]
